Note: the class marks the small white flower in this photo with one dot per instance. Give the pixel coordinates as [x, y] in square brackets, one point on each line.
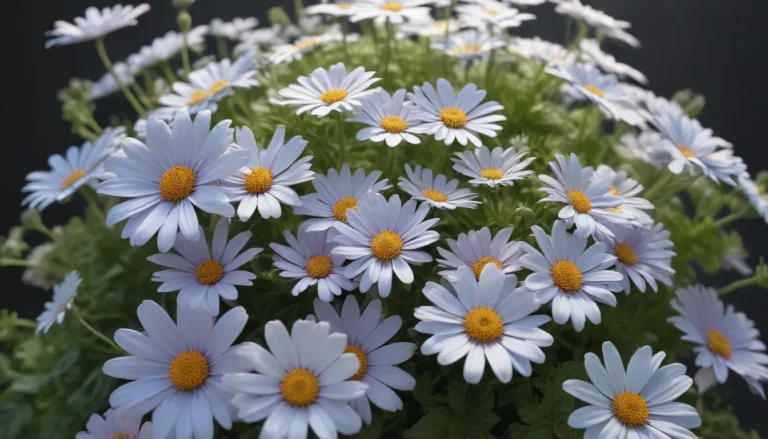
[601, 21]
[628, 190]
[500, 167]
[336, 194]
[391, 11]
[232, 29]
[301, 383]
[636, 403]
[166, 178]
[735, 259]
[725, 339]
[450, 117]
[63, 295]
[756, 194]
[282, 53]
[81, 166]
[643, 256]
[539, 49]
[430, 28]
[476, 249]
[95, 24]
[166, 47]
[366, 337]
[570, 277]
[469, 45]
[527, 2]
[112, 426]
[177, 369]
[201, 275]
[485, 320]
[645, 145]
[265, 179]
[592, 52]
[310, 260]
[436, 191]
[389, 119]
[260, 38]
[329, 90]
[335, 8]
[106, 85]
[483, 14]
[384, 237]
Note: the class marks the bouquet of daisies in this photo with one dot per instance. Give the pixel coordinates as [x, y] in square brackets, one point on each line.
[381, 219]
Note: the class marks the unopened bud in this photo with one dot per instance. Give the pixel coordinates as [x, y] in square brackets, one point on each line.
[184, 20]
[278, 16]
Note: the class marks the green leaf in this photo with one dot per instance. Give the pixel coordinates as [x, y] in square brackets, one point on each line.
[531, 415]
[433, 425]
[456, 397]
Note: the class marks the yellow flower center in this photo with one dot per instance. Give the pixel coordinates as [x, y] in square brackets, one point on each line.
[387, 245]
[306, 44]
[436, 196]
[440, 25]
[220, 85]
[189, 370]
[614, 191]
[258, 181]
[120, 436]
[687, 152]
[344, 5]
[762, 190]
[567, 276]
[467, 49]
[340, 208]
[209, 272]
[483, 325]
[333, 95]
[392, 6]
[478, 266]
[177, 183]
[492, 174]
[73, 177]
[594, 90]
[579, 201]
[452, 117]
[362, 358]
[626, 254]
[300, 387]
[630, 409]
[394, 124]
[196, 97]
[319, 267]
[719, 344]
[490, 11]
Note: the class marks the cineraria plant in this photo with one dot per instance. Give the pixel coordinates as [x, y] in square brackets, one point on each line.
[433, 228]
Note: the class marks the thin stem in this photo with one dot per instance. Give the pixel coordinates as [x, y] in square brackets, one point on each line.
[10, 262]
[344, 32]
[24, 323]
[221, 47]
[102, 51]
[94, 125]
[388, 52]
[490, 64]
[94, 331]
[340, 134]
[170, 78]
[754, 280]
[724, 221]
[185, 54]
[584, 122]
[86, 134]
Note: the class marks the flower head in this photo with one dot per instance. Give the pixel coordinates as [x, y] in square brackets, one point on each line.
[591, 52]
[436, 191]
[234, 29]
[628, 190]
[499, 167]
[756, 193]
[282, 53]
[477, 249]
[106, 85]
[539, 49]
[643, 256]
[430, 28]
[63, 295]
[483, 14]
[389, 118]
[602, 22]
[166, 47]
[112, 426]
[469, 45]
[335, 8]
[391, 11]
[95, 24]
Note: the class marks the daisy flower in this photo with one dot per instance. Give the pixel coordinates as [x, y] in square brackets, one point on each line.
[725, 339]
[430, 28]
[336, 194]
[486, 319]
[383, 237]
[282, 53]
[391, 11]
[602, 22]
[489, 13]
[588, 83]
[756, 195]
[302, 383]
[588, 203]
[63, 296]
[366, 337]
[645, 145]
[211, 84]
[79, 167]
[637, 402]
[329, 90]
[570, 277]
[166, 47]
[95, 24]
[389, 119]
[499, 167]
[335, 8]
[264, 180]
[643, 255]
[436, 191]
[538, 49]
[165, 179]
[450, 117]
[527, 2]
[469, 45]
[477, 249]
[309, 259]
[233, 29]
[723, 165]
[106, 85]
[201, 275]
[112, 426]
[592, 53]
[627, 189]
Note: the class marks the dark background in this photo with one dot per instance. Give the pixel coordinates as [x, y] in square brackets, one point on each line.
[713, 47]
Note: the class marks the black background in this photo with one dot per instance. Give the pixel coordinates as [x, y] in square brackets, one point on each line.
[711, 46]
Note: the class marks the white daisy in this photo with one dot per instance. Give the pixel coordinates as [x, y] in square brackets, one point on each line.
[176, 370]
[469, 45]
[483, 14]
[95, 24]
[756, 193]
[301, 383]
[232, 29]
[723, 165]
[645, 145]
[627, 189]
[166, 47]
[736, 259]
[725, 339]
[335, 8]
[570, 277]
[81, 166]
[310, 260]
[450, 117]
[106, 85]
[602, 22]
[643, 255]
[476, 249]
[383, 237]
[430, 28]
[591, 52]
[366, 337]
[112, 426]
[636, 403]
[486, 319]
[329, 90]
[588, 83]
[391, 11]
[63, 295]
[389, 119]
[588, 203]
[284, 52]
[336, 194]
[201, 275]
[436, 191]
[527, 2]
[500, 167]
[211, 84]
[165, 179]
[264, 180]
[539, 49]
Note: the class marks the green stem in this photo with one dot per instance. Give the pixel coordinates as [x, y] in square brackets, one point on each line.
[170, 78]
[102, 51]
[24, 323]
[754, 280]
[388, 52]
[94, 125]
[11, 262]
[94, 331]
[490, 64]
[185, 55]
[724, 221]
[340, 135]
[221, 47]
[584, 122]
[344, 32]
[143, 98]
[86, 134]
[92, 198]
